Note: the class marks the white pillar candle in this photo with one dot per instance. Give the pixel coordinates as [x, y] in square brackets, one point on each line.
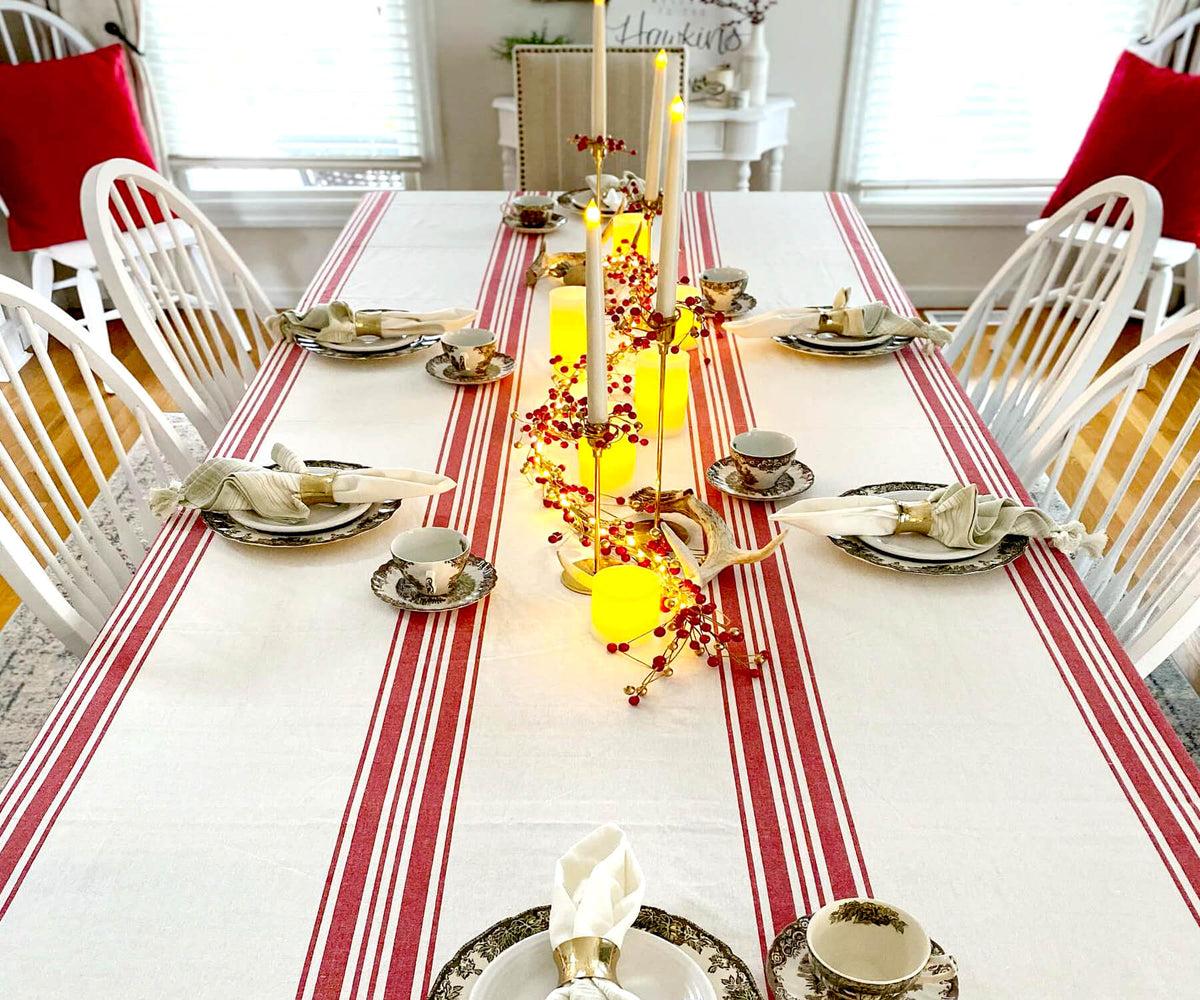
[599, 71]
[658, 122]
[597, 334]
[668, 257]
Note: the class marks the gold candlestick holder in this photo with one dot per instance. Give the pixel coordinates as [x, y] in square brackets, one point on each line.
[663, 328]
[597, 436]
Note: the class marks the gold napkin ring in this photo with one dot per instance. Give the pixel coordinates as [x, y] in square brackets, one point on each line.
[587, 958]
[316, 489]
[915, 516]
[367, 323]
[827, 324]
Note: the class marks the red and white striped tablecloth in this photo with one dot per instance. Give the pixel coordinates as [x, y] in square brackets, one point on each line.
[262, 783]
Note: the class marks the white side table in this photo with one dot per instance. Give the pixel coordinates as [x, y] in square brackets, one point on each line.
[740, 137]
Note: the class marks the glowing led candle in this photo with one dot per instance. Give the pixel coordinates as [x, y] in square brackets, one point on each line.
[658, 121]
[668, 256]
[599, 71]
[616, 465]
[630, 231]
[597, 332]
[626, 602]
[675, 399]
[568, 322]
[687, 318]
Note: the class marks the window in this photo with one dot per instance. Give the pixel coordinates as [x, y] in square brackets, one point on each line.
[956, 103]
[289, 95]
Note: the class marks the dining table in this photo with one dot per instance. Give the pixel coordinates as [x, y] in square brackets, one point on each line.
[263, 782]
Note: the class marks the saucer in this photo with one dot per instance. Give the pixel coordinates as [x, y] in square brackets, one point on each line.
[394, 588]
[741, 305]
[501, 366]
[723, 474]
[790, 973]
[557, 220]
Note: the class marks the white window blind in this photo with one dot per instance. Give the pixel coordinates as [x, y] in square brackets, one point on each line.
[271, 80]
[969, 94]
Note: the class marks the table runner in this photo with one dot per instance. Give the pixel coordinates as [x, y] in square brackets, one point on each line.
[368, 791]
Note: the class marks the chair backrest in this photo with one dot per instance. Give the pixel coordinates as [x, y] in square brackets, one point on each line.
[29, 33]
[553, 86]
[70, 538]
[1141, 486]
[1175, 43]
[1066, 293]
[190, 303]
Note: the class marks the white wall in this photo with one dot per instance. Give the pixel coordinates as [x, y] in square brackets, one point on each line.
[809, 41]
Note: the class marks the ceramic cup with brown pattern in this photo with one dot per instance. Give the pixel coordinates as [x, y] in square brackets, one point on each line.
[762, 457]
[721, 286]
[470, 349]
[431, 559]
[866, 948]
[533, 211]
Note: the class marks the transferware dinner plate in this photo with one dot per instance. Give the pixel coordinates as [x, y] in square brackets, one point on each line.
[838, 341]
[366, 517]
[889, 346]
[992, 558]
[650, 968]
[917, 547]
[403, 347]
[791, 976]
[392, 587]
[723, 474]
[727, 974]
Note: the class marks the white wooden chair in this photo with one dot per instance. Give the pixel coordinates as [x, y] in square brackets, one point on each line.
[29, 33]
[55, 551]
[1147, 582]
[1176, 263]
[189, 302]
[553, 88]
[1066, 294]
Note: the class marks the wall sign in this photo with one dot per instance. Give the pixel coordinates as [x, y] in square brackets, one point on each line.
[698, 27]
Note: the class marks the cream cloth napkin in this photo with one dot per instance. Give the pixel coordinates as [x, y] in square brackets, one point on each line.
[961, 518]
[598, 888]
[235, 484]
[872, 320]
[337, 323]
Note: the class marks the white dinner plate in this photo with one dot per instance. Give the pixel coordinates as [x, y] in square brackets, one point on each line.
[649, 968]
[320, 518]
[370, 344]
[836, 340]
[919, 548]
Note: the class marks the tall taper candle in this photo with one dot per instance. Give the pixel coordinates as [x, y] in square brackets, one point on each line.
[668, 258]
[597, 335]
[599, 71]
[658, 122]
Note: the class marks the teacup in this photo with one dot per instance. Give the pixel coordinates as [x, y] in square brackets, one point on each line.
[431, 559]
[762, 457]
[865, 948]
[470, 349]
[533, 210]
[721, 286]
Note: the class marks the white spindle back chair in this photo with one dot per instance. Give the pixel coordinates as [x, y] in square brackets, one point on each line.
[54, 550]
[29, 33]
[1066, 295]
[193, 307]
[1147, 498]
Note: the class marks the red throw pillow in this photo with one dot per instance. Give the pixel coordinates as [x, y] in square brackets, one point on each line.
[1145, 126]
[58, 119]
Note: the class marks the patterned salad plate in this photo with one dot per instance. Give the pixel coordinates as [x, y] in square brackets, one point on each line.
[791, 976]
[890, 345]
[821, 338]
[557, 220]
[501, 366]
[727, 974]
[925, 556]
[723, 474]
[394, 588]
[368, 348]
[327, 523]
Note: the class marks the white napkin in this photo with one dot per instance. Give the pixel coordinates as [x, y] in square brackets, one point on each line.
[872, 320]
[598, 888]
[961, 519]
[337, 323]
[235, 484]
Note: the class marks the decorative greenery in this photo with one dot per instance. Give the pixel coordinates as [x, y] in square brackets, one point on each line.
[504, 48]
[754, 11]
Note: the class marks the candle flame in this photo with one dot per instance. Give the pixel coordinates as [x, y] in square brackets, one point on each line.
[592, 215]
[677, 109]
[660, 60]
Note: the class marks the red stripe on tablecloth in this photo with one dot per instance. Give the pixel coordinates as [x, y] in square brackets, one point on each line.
[1144, 754]
[377, 920]
[41, 785]
[777, 725]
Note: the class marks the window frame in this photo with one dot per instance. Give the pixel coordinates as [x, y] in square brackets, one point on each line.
[316, 207]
